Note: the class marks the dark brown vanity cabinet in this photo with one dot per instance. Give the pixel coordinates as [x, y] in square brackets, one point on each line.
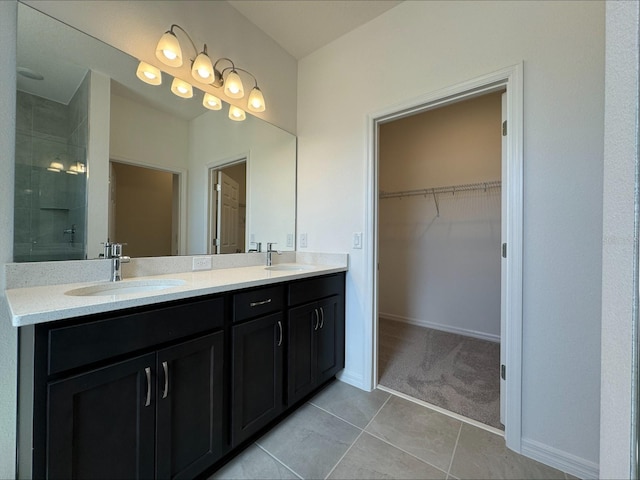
[257, 360]
[133, 396]
[169, 390]
[315, 334]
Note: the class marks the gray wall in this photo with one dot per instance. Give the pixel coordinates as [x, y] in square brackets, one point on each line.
[619, 249]
[8, 334]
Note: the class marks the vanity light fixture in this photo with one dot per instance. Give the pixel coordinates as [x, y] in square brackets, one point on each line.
[55, 167]
[236, 114]
[169, 52]
[181, 88]
[149, 74]
[211, 102]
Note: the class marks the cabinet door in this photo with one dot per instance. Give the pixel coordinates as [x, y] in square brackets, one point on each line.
[330, 339]
[101, 423]
[257, 375]
[189, 406]
[301, 359]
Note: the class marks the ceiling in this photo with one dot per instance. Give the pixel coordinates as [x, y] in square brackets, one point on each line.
[303, 26]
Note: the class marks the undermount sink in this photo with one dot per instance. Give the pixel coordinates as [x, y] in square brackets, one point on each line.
[125, 287]
[287, 267]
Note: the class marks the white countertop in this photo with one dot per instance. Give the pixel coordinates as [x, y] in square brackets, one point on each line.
[31, 305]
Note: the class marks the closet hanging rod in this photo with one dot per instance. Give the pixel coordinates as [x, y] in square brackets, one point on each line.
[439, 190]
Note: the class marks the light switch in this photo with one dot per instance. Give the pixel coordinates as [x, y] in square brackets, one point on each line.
[357, 240]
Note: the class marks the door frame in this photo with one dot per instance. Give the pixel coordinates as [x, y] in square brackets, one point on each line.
[512, 184]
[217, 165]
[182, 195]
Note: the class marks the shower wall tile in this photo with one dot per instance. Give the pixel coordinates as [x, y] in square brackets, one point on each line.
[50, 118]
[24, 149]
[24, 112]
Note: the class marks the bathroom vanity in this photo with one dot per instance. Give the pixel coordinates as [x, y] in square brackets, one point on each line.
[169, 384]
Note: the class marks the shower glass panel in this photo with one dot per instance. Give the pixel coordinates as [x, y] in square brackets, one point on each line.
[50, 176]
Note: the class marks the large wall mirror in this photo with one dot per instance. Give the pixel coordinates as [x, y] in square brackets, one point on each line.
[100, 154]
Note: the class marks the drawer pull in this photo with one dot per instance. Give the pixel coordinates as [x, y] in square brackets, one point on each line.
[280, 330]
[147, 372]
[317, 319]
[165, 368]
[257, 304]
[321, 317]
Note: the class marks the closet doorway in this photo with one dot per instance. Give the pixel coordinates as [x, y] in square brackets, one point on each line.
[439, 231]
[508, 80]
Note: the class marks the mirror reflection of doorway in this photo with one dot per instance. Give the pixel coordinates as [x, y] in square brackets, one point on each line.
[144, 210]
[227, 208]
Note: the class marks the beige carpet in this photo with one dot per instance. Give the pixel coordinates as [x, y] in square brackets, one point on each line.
[458, 373]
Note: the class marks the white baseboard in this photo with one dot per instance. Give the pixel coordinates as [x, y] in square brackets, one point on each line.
[571, 464]
[353, 380]
[445, 328]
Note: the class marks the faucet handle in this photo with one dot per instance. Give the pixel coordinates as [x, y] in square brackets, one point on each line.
[258, 246]
[269, 245]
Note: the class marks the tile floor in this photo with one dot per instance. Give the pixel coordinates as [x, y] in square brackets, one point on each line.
[344, 432]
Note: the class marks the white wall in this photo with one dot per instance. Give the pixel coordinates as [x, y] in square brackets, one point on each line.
[271, 154]
[420, 47]
[8, 334]
[136, 26]
[619, 249]
[440, 266]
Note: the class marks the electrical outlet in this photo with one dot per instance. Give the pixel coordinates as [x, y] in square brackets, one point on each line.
[289, 239]
[201, 263]
[303, 240]
[357, 240]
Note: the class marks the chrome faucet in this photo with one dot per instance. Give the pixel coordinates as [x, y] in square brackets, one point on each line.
[258, 248]
[117, 259]
[270, 251]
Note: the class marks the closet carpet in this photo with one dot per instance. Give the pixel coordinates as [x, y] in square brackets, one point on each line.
[457, 373]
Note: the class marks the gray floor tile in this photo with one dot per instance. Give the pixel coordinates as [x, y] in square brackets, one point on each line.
[425, 433]
[482, 455]
[310, 442]
[350, 403]
[371, 458]
[253, 463]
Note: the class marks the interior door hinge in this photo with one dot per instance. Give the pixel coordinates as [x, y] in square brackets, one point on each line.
[504, 250]
[504, 128]
[218, 187]
[215, 242]
[503, 372]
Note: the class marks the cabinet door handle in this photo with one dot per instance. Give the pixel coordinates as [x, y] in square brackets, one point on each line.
[262, 302]
[321, 317]
[280, 331]
[317, 319]
[147, 372]
[165, 368]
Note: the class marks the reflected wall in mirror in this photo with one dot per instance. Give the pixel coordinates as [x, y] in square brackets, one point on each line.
[90, 114]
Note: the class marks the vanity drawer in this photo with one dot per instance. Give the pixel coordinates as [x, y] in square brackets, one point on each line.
[93, 341]
[254, 303]
[305, 291]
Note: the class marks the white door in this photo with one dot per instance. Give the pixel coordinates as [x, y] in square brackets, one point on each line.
[503, 267]
[228, 214]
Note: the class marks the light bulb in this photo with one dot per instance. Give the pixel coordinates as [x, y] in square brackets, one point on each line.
[233, 85]
[168, 50]
[236, 114]
[181, 88]
[256, 100]
[149, 74]
[211, 102]
[202, 69]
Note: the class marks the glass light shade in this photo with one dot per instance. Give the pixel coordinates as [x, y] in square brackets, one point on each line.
[73, 170]
[211, 102]
[55, 167]
[181, 88]
[202, 68]
[149, 74]
[256, 100]
[236, 114]
[168, 50]
[233, 85]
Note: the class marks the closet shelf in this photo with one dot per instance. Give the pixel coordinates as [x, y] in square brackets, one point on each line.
[439, 190]
[435, 191]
